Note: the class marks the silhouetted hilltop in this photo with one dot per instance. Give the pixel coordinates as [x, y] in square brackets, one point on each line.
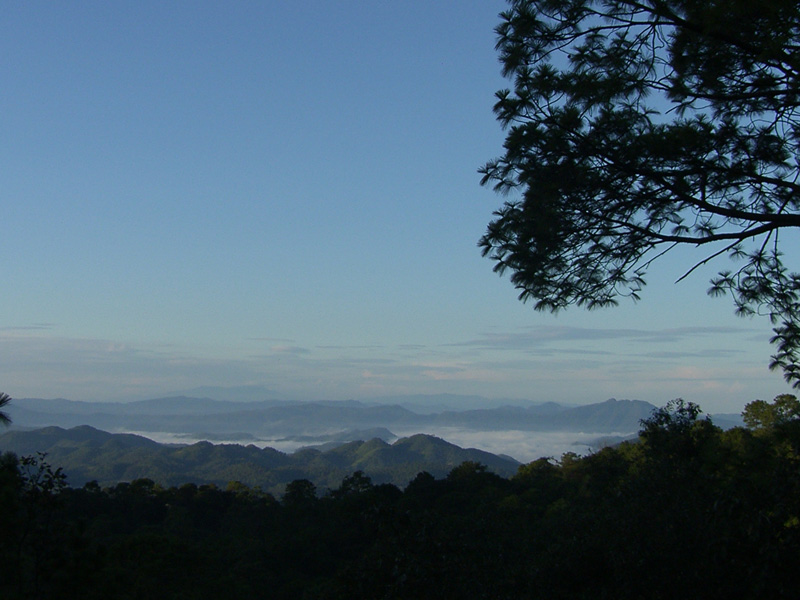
[88, 454]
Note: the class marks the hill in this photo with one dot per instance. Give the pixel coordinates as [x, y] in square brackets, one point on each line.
[87, 454]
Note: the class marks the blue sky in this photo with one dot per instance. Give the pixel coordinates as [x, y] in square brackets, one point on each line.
[286, 194]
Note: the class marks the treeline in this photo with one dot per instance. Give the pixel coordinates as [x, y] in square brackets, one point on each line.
[687, 511]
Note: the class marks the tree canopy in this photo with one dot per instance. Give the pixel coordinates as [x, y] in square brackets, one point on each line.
[761, 415]
[636, 126]
[686, 511]
[5, 400]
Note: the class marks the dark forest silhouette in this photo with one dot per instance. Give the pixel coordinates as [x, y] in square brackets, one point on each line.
[687, 510]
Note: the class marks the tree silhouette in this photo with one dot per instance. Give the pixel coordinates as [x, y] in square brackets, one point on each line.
[638, 126]
[760, 415]
[5, 400]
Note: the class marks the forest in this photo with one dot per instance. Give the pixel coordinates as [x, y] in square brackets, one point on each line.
[686, 510]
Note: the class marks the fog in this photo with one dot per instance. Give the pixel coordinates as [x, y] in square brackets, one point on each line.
[524, 446]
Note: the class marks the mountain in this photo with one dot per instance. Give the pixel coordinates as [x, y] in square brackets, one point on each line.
[87, 454]
[609, 416]
[435, 403]
[236, 393]
[606, 417]
[727, 420]
[342, 437]
[279, 419]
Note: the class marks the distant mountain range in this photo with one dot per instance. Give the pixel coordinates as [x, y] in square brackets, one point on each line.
[273, 418]
[343, 436]
[87, 454]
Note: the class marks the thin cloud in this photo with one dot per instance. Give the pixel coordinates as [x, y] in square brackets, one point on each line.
[32, 327]
[289, 350]
[102, 369]
[534, 339]
[715, 353]
[97, 369]
[362, 347]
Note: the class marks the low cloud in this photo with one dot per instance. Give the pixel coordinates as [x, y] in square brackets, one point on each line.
[97, 369]
[678, 354]
[289, 350]
[578, 369]
[524, 446]
[32, 327]
[546, 336]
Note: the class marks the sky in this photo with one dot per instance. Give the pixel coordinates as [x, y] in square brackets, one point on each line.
[286, 195]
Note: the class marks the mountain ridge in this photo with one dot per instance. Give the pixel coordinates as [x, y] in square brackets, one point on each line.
[89, 454]
[181, 414]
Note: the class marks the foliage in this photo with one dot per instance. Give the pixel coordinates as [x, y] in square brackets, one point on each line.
[35, 540]
[634, 127]
[759, 414]
[677, 416]
[5, 400]
[723, 505]
[300, 492]
[39, 478]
